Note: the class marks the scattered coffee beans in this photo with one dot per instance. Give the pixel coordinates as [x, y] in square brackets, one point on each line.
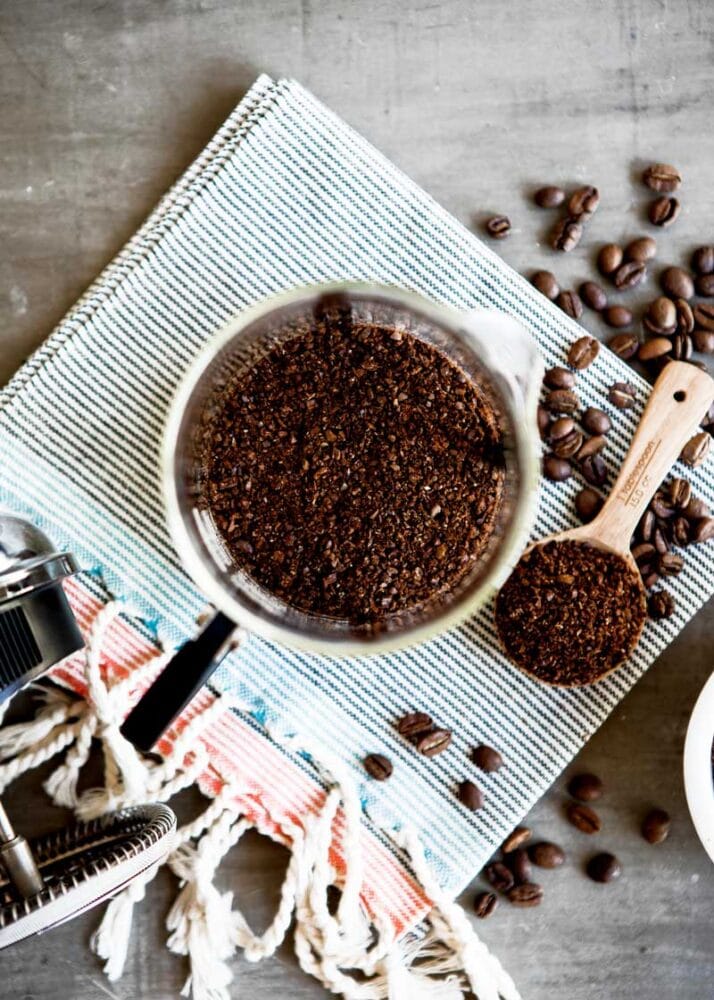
[622, 395]
[703, 530]
[624, 345]
[604, 868]
[663, 211]
[704, 316]
[528, 894]
[583, 352]
[565, 439]
[593, 295]
[588, 504]
[677, 282]
[549, 196]
[583, 203]
[484, 904]
[498, 226]
[642, 249]
[500, 876]
[433, 743]
[520, 836]
[487, 759]
[559, 378]
[591, 446]
[566, 235]
[583, 818]
[594, 469]
[519, 863]
[654, 348]
[585, 787]
[617, 316]
[660, 604]
[414, 724]
[378, 766]
[561, 401]
[655, 826]
[661, 316]
[570, 303]
[609, 259]
[556, 469]
[546, 283]
[704, 341]
[546, 855]
[703, 260]
[685, 316]
[705, 285]
[470, 795]
[596, 421]
[662, 177]
[696, 449]
[629, 274]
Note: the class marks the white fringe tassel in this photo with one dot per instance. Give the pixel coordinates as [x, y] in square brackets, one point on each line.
[442, 960]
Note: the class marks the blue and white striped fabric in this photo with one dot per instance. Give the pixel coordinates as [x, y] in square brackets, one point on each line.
[287, 194]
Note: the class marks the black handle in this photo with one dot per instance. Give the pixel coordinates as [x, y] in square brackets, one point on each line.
[178, 682]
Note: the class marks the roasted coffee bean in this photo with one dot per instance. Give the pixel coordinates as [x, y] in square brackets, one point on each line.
[670, 564]
[609, 259]
[654, 348]
[622, 395]
[659, 540]
[520, 836]
[378, 766]
[546, 855]
[629, 274]
[660, 605]
[414, 724]
[556, 469]
[696, 509]
[593, 295]
[561, 401]
[433, 743]
[594, 470]
[662, 177]
[680, 492]
[696, 450]
[644, 555]
[487, 759]
[649, 581]
[559, 378]
[583, 817]
[498, 226]
[702, 530]
[704, 316]
[519, 863]
[591, 446]
[703, 260]
[705, 285]
[583, 352]
[663, 211]
[661, 316]
[546, 283]
[677, 283]
[566, 235]
[681, 347]
[500, 876]
[703, 341]
[596, 421]
[646, 527]
[685, 316]
[617, 316]
[561, 428]
[588, 504]
[470, 795]
[570, 303]
[680, 531]
[528, 894]
[549, 196]
[484, 904]
[624, 345]
[661, 504]
[642, 249]
[583, 203]
[569, 445]
[604, 868]
[655, 826]
[544, 420]
[585, 787]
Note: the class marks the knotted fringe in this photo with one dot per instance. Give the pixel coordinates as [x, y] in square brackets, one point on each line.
[345, 950]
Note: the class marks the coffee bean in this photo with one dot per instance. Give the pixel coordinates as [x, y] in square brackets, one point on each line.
[591, 446]
[705, 285]
[604, 868]
[703, 260]
[696, 450]
[498, 226]
[704, 316]
[685, 316]
[433, 743]
[487, 758]
[660, 605]
[708, 419]
[670, 564]
[703, 341]
[596, 421]
[680, 532]
[696, 509]
[583, 203]
[583, 817]
[560, 429]
[528, 894]
[561, 401]
[662, 505]
[583, 352]
[661, 316]
[680, 492]
[654, 348]
[500, 876]
[470, 795]
[414, 724]
[681, 347]
[588, 504]
[663, 211]
[546, 855]
[662, 177]
[484, 904]
[519, 863]
[556, 469]
[624, 345]
[646, 527]
[559, 378]
[609, 259]
[566, 235]
[543, 419]
[629, 274]
[659, 540]
[642, 249]
[617, 316]
[546, 283]
[622, 395]
[549, 197]
[594, 470]
[677, 283]
[593, 295]
[570, 303]
[585, 787]
[644, 555]
[569, 445]
[655, 826]
[703, 530]
[378, 766]
[649, 581]
[520, 836]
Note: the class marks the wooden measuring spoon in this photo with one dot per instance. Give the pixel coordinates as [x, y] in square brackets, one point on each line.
[545, 608]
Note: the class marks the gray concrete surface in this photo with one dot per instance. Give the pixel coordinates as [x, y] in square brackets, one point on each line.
[103, 104]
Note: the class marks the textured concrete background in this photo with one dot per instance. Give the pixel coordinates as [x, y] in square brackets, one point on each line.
[102, 105]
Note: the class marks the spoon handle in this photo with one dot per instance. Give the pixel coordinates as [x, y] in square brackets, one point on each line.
[679, 400]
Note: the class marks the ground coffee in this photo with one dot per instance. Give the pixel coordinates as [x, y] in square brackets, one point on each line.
[354, 471]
